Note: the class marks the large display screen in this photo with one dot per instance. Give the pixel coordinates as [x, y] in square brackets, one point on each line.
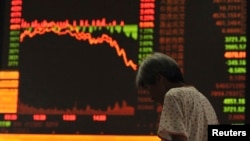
[69, 66]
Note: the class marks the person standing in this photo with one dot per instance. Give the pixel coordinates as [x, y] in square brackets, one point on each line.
[186, 112]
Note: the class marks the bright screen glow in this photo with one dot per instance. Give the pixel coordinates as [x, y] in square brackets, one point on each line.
[68, 66]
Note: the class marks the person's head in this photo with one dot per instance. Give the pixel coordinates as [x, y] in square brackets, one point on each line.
[158, 73]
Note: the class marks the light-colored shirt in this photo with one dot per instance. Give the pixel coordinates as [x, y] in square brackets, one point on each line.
[186, 112]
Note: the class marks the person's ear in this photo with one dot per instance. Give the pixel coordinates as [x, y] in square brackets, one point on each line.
[160, 78]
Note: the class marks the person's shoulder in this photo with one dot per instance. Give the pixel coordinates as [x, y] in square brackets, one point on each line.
[175, 92]
[182, 92]
[182, 89]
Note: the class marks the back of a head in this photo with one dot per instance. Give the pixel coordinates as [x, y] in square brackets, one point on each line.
[155, 64]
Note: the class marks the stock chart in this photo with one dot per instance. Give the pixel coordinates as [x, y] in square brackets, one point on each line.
[69, 66]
